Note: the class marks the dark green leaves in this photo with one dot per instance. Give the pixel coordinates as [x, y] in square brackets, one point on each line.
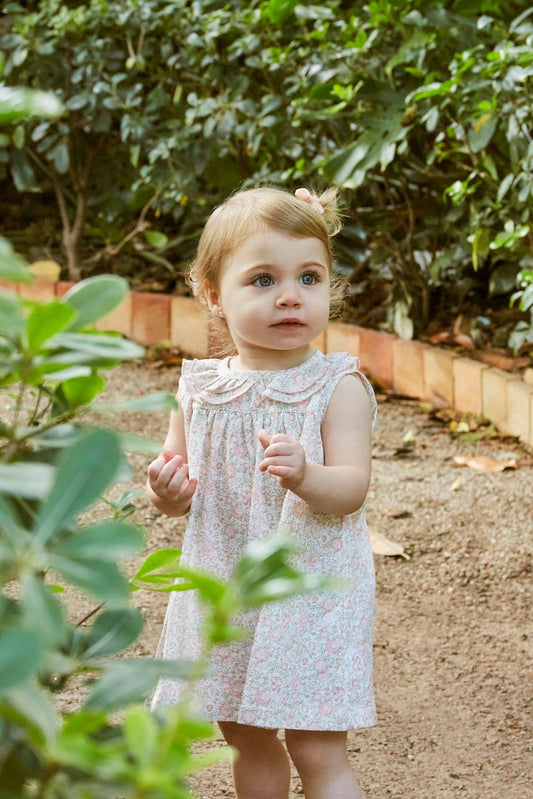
[20, 656]
[95, 297]
[83, 473]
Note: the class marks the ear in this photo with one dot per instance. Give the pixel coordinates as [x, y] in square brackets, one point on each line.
[212, 297]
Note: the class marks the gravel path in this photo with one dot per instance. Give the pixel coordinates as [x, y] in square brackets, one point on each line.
[453, 630]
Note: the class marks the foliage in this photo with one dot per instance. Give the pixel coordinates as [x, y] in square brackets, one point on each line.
[417, 110]
[52, 470]
[523, 331]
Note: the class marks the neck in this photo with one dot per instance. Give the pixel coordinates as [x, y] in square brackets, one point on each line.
[254, 360]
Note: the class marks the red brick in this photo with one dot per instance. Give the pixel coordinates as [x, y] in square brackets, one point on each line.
[467, 375]
[189, 327]
[519, 410]
[375, 354]
[39, 291]
[9, 285]
[341, 337]
[438, 376]
[150, 322]
[62, 286]
[119, 319]
[494, 395]
[408, 368]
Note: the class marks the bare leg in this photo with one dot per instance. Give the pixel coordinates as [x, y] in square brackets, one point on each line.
[321, 761]
[262, 769]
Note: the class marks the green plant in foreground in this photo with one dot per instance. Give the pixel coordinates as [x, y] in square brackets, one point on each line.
[523, 330]
[53, 468]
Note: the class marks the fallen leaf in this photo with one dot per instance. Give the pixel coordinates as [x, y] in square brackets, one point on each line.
[384, 546]
[484, 464]
[399, 514]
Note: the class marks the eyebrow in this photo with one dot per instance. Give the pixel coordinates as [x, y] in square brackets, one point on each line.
[267, 266]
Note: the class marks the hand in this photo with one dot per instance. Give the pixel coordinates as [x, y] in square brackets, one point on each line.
[284, 458]
[168, 477]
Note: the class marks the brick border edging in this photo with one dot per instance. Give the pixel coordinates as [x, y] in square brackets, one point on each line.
[411, 368]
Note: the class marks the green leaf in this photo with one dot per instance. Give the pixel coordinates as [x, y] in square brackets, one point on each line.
[11, 320]
[28, 480]
[132, 443]
[277, 11]
[480, 246]
[83, 474]
[60, 157]
[375, 146]
[33, 711]
[277, 588]
[102, 580]
[59, 436]
[45, 321]
[126, 682]
[156, 239]
[98, 347]
[140, 732]
[12, 266]
[20, 103]
[113, 631]
[108, 540]
[82, 390]
[161, 559]
[95, 297]
[20, 656]
[481, 132]
[9, 521]
[157, 401]
[42, 611]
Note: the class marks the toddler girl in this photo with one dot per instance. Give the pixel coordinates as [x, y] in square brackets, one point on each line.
[276, 436]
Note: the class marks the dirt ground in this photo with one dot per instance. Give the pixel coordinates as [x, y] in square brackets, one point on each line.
[454, 630]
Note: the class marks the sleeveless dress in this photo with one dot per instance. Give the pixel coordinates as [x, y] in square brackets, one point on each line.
[307, 661]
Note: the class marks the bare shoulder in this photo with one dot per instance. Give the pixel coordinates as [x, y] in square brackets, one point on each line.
[347, 425]
[350, 401]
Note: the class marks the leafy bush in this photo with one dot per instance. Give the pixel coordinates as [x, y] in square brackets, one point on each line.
[418, 110]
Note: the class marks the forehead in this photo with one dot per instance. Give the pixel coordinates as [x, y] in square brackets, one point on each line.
[271, 247]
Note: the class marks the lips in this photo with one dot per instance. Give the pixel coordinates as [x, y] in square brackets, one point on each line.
[289, 323]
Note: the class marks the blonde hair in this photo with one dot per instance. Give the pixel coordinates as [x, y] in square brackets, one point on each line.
[250, 210]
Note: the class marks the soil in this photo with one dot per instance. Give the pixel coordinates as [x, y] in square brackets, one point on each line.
[454, 630]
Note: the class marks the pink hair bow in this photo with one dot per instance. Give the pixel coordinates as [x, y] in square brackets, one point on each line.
[307, 197]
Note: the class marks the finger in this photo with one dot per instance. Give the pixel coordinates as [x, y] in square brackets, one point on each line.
[155, 467]
[279, 460]
[279, 471]
[264, 438]
[178, 478]
[279, 449]
[167, 473]
[282, 437]
[168, 455]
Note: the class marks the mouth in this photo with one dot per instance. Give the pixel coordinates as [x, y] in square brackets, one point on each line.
[289, 323]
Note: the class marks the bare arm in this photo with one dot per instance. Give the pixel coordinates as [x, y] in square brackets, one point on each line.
[340, 485]
[168, 485]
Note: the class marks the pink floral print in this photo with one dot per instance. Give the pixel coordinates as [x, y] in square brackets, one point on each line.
[307, 661]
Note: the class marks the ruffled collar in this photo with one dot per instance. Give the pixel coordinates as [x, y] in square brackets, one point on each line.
[212, 381]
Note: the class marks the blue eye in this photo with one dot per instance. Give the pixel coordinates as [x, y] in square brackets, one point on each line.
[309, 279]
[263, 281]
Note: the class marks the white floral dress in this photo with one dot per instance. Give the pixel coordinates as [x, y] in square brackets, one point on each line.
[307, 661]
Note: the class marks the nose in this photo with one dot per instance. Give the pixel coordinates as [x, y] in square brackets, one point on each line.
[288, 296]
